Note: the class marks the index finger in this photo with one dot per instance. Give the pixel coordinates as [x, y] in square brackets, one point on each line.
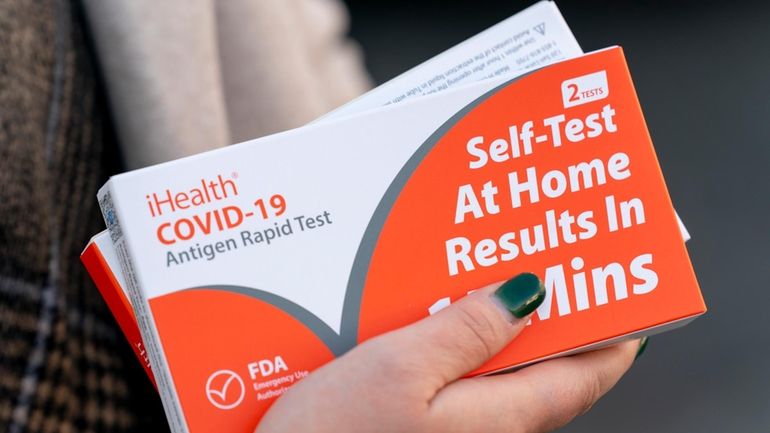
[538, 398]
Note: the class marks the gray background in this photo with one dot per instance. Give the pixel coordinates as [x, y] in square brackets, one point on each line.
[702, 71]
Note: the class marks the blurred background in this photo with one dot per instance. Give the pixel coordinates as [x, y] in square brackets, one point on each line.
[702, 72]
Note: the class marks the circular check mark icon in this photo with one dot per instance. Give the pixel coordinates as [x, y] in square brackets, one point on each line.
[225, 389]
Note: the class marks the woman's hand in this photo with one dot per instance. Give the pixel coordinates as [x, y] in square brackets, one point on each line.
[410, 380]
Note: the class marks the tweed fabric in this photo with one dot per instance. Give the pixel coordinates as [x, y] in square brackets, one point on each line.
[64, 366]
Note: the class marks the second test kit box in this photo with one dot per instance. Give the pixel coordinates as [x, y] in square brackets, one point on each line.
[252, 265]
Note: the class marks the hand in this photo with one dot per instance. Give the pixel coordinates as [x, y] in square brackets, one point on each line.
[411, 380]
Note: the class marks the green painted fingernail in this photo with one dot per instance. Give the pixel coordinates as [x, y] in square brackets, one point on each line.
[642, 346]
[521, 294]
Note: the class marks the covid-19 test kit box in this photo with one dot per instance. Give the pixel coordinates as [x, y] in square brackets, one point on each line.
[250, 266]
[531, 39]
[233, 274]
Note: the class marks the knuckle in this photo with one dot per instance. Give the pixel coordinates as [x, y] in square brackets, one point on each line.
[482, 330]
[561, 404]
[550, 413]
[382, 354]
[590, 391]
[572, 398]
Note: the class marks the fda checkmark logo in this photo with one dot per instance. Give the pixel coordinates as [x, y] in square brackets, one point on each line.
[225, 389]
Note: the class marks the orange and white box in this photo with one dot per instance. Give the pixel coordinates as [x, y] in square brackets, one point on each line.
[252, 265]
[533, 38]
[101, 262]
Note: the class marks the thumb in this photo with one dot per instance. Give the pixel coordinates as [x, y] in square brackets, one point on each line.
[464, 335]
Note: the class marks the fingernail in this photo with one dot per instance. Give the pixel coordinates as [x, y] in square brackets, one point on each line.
[642, 346]
[521, 294]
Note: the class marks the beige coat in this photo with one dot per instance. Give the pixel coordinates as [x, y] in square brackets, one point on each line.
[184, 76]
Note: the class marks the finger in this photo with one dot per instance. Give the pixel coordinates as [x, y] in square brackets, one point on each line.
[538, 398]
[461, 337]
